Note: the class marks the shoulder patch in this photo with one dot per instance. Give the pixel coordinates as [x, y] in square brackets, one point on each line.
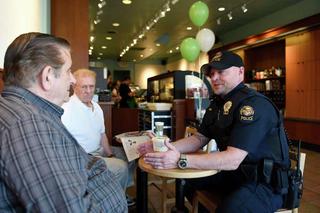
[246, 113]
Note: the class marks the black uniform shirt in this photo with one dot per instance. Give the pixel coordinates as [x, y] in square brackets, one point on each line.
[246, 120]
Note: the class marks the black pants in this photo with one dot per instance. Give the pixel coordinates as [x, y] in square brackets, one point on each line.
[237, 195]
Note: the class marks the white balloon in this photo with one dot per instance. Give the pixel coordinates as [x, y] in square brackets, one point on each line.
[206, 39]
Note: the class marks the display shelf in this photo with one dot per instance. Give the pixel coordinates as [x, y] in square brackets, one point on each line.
[147, 118]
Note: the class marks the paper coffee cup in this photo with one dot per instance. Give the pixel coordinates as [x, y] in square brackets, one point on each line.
[159, 144]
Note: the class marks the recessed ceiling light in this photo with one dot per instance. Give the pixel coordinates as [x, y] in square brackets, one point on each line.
[189, 28]
[104, 47]
[115, 24]
[170, 51]
[221, 9]
[141, 56]
[108, 38]
[126, 1]
[157, 44]
[177, 48]
[100, 53]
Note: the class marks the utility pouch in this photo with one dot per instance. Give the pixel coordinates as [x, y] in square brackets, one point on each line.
[281, 182]
[267, 169]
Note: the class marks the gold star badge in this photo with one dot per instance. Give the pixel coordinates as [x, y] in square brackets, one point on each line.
[226, 107]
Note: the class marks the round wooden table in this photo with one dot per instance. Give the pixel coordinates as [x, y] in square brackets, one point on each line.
[178, 174]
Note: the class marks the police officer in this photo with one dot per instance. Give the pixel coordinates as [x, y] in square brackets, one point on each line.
[252, 144]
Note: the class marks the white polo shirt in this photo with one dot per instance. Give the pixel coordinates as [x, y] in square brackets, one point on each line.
[85, 124]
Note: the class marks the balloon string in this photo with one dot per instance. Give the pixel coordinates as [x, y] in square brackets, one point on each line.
[201, 88]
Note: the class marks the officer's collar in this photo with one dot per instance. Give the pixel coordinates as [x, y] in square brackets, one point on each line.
[233, 91]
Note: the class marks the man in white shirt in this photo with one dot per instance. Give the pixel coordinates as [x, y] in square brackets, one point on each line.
[85, 121]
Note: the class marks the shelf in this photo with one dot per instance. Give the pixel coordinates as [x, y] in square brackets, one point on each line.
[264, 79]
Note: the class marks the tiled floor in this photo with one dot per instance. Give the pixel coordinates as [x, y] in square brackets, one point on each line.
[311, 194]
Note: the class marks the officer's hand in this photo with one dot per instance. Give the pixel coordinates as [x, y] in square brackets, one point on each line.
[163, 160]
[145, 148]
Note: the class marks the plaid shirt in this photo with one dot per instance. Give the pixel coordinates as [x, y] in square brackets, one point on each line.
[43, 168]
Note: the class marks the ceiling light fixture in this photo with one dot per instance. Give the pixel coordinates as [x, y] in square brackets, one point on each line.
[98, 58]
[115, 24]
[189, 28]
[141, 56]
[221, 9]
[173, 2]
[230, 15]
[109, 38]
[97, 21]
[126, 1]
[157, 44]
[91, 38]
[100, 53]
[218, 21]
[149, 24]
[170, 51]
[102, 4]
[177, 48]
[104, 47]
[244, 8]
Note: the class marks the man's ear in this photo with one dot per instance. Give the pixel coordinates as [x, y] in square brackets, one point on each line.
[45, 77]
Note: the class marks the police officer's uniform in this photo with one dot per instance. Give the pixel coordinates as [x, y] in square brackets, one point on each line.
[249, 121]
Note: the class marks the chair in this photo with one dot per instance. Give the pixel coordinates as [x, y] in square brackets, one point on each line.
[302, 164]
[210, 201]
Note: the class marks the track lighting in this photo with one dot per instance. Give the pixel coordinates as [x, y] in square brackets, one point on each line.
[244, 8]
[218, 21]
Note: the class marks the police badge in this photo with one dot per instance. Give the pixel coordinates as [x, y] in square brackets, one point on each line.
[217, 57]
[226, 107]
[246, 113]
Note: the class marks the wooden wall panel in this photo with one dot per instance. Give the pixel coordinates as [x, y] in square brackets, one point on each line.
[124, 120]
[302, 130]
[107, 113]
[70, 20]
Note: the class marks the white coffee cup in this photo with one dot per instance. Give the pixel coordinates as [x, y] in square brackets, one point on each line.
[159, 144]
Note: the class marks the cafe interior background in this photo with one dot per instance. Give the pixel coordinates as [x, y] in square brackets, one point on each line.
[279, 42]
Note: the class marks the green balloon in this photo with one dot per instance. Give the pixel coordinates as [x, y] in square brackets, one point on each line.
[199, 13]
[190, 49]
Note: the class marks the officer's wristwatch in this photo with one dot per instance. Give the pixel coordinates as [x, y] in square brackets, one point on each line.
[182, 162]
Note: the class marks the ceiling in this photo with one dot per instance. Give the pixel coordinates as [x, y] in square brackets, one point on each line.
[168, 31]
